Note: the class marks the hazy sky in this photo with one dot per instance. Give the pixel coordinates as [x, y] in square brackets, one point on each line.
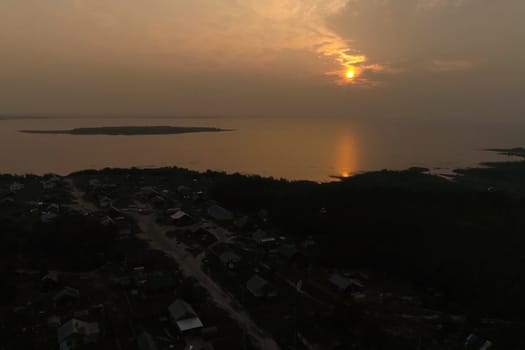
[410, 58]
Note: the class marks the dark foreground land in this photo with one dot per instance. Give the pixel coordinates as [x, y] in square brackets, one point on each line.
[128, 130]
[383, 260]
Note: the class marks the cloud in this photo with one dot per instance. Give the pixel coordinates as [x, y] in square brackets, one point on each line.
[451, 66]
[262, 56]
[197, 34]
[394, 32]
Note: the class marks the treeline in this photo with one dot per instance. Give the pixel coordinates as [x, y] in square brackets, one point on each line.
[465, 243]
[73, 242]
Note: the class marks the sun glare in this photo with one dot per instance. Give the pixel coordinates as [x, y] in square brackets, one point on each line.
[350, 74]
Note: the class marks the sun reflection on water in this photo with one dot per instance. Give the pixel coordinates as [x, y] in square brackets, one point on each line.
[346, 155]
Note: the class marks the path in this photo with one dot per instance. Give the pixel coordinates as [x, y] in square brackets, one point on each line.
[79, 203]
[191, 267]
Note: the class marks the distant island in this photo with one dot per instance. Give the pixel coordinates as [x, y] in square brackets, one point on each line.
[513, 152]
[129, 130]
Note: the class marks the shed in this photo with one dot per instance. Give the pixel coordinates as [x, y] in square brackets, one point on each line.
[183, 316]
[344, 284]
[181, 218]
[74, 334]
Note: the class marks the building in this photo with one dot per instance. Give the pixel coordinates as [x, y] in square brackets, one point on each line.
[345, 284]
[229, 259]
[184, 191]
[16, 186]
[260, 288]
[474, 342]
[261, 237]
[66, 294]
[53, 321]
[75, 334]
[145, 342]
[48, 217]
[50, 280]
[288, 251]
[184, 317]
[180, 218]
[218, 213]
[107, 221]
[105, 203]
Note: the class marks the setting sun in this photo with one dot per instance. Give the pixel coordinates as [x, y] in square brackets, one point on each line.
[350, 74]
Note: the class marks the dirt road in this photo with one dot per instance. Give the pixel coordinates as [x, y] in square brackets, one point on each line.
[80, 203]
[191, 267]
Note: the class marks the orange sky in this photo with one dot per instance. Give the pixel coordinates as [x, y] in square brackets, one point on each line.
[263, 57]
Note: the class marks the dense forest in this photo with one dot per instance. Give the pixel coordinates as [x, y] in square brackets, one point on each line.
[460, 238]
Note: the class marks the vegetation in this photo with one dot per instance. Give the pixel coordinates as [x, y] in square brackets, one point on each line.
[128, 130]
[461, 240]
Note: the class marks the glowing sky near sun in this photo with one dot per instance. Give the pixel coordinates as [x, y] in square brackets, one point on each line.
[262, 57]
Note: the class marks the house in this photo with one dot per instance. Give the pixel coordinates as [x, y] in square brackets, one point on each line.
[198, 344]
[147, 191]
[259, 287]
[229, 259]
[184, 317]
[184, 190]
[106, 221]
[105, 203]
[180, 218]
[16, 186]
[50, 280]
[218, 213]
[344, 284]
[48, 217]
[157, 201]
[75, 334]
[53, 208]
[48, 185]
[474, 342]
[94, 183]
[261, 237]
[5, 193]
[288, 251]
[209, 229]
[81, 314]
[124, 233]
[6, 201]
[309, 243]
[145, 342]
[242, 223]
[53, 321]
[263, 215]
[66, 294]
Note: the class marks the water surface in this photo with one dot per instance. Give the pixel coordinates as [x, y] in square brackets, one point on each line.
[293, 148]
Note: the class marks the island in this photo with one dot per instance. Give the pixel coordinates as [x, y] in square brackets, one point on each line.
[511, 152]
[129, 130]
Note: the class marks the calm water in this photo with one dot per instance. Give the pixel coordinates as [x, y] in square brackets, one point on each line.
[310, 148]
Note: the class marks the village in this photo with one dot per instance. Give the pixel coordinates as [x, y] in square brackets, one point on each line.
[185, 272]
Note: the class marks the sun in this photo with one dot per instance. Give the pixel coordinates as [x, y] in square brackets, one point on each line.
[350, 74]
